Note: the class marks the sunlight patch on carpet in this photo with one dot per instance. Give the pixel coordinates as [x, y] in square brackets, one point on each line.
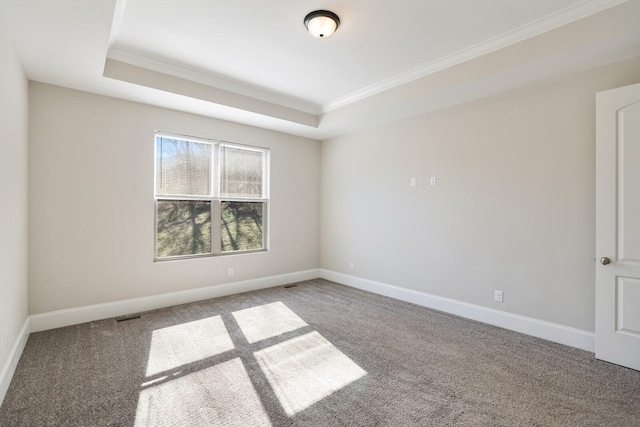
[305, 370]
[179, 345]
[267, 321]
[220, 395]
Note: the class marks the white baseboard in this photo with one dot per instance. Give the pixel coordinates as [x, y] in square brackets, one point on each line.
[6, 374]
[538, 328]
[40, 322]
[74, 316]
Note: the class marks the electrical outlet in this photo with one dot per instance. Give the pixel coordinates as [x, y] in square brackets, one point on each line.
[413, 182]
[497, 296]
[351, 266]
[231, 272]
[433, 181]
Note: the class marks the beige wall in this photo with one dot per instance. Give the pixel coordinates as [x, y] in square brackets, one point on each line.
[513, 210]
[91, 213]
[13, 194]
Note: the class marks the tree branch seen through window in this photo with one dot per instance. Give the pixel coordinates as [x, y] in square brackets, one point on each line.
[208, 207]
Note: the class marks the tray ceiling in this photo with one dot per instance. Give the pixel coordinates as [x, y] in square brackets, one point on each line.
[254, 62]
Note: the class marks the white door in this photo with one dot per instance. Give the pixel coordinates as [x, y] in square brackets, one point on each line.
[618, 226]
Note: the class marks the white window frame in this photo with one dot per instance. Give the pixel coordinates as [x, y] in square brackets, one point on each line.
[215, 198]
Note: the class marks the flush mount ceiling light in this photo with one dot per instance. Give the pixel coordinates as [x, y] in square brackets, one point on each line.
[321, 23]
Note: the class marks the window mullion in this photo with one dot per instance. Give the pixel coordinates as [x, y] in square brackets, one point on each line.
[216, 227]
[216, 212]
[179, 197]
[215, 170]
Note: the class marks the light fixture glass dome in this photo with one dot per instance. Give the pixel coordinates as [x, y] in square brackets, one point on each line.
[322, 23]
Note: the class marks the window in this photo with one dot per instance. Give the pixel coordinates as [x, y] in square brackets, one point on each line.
[211, 197]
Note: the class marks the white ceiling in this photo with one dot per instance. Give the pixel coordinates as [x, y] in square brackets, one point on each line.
[253, 61]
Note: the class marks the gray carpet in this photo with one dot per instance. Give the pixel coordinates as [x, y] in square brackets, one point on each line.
[316, 354]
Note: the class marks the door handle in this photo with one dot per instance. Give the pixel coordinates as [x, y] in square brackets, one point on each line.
[604, 260]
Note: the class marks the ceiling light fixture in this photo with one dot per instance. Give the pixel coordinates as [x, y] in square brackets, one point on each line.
[321, 23]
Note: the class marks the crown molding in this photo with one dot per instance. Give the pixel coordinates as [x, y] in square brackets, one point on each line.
[181, 71]
[116, 24]
[556, 20]
[212, 95]
[553, 21]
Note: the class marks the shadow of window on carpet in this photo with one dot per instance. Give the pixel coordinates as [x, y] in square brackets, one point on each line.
[196, 374]
[179, 345]
[305, 370]
[267, 321]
